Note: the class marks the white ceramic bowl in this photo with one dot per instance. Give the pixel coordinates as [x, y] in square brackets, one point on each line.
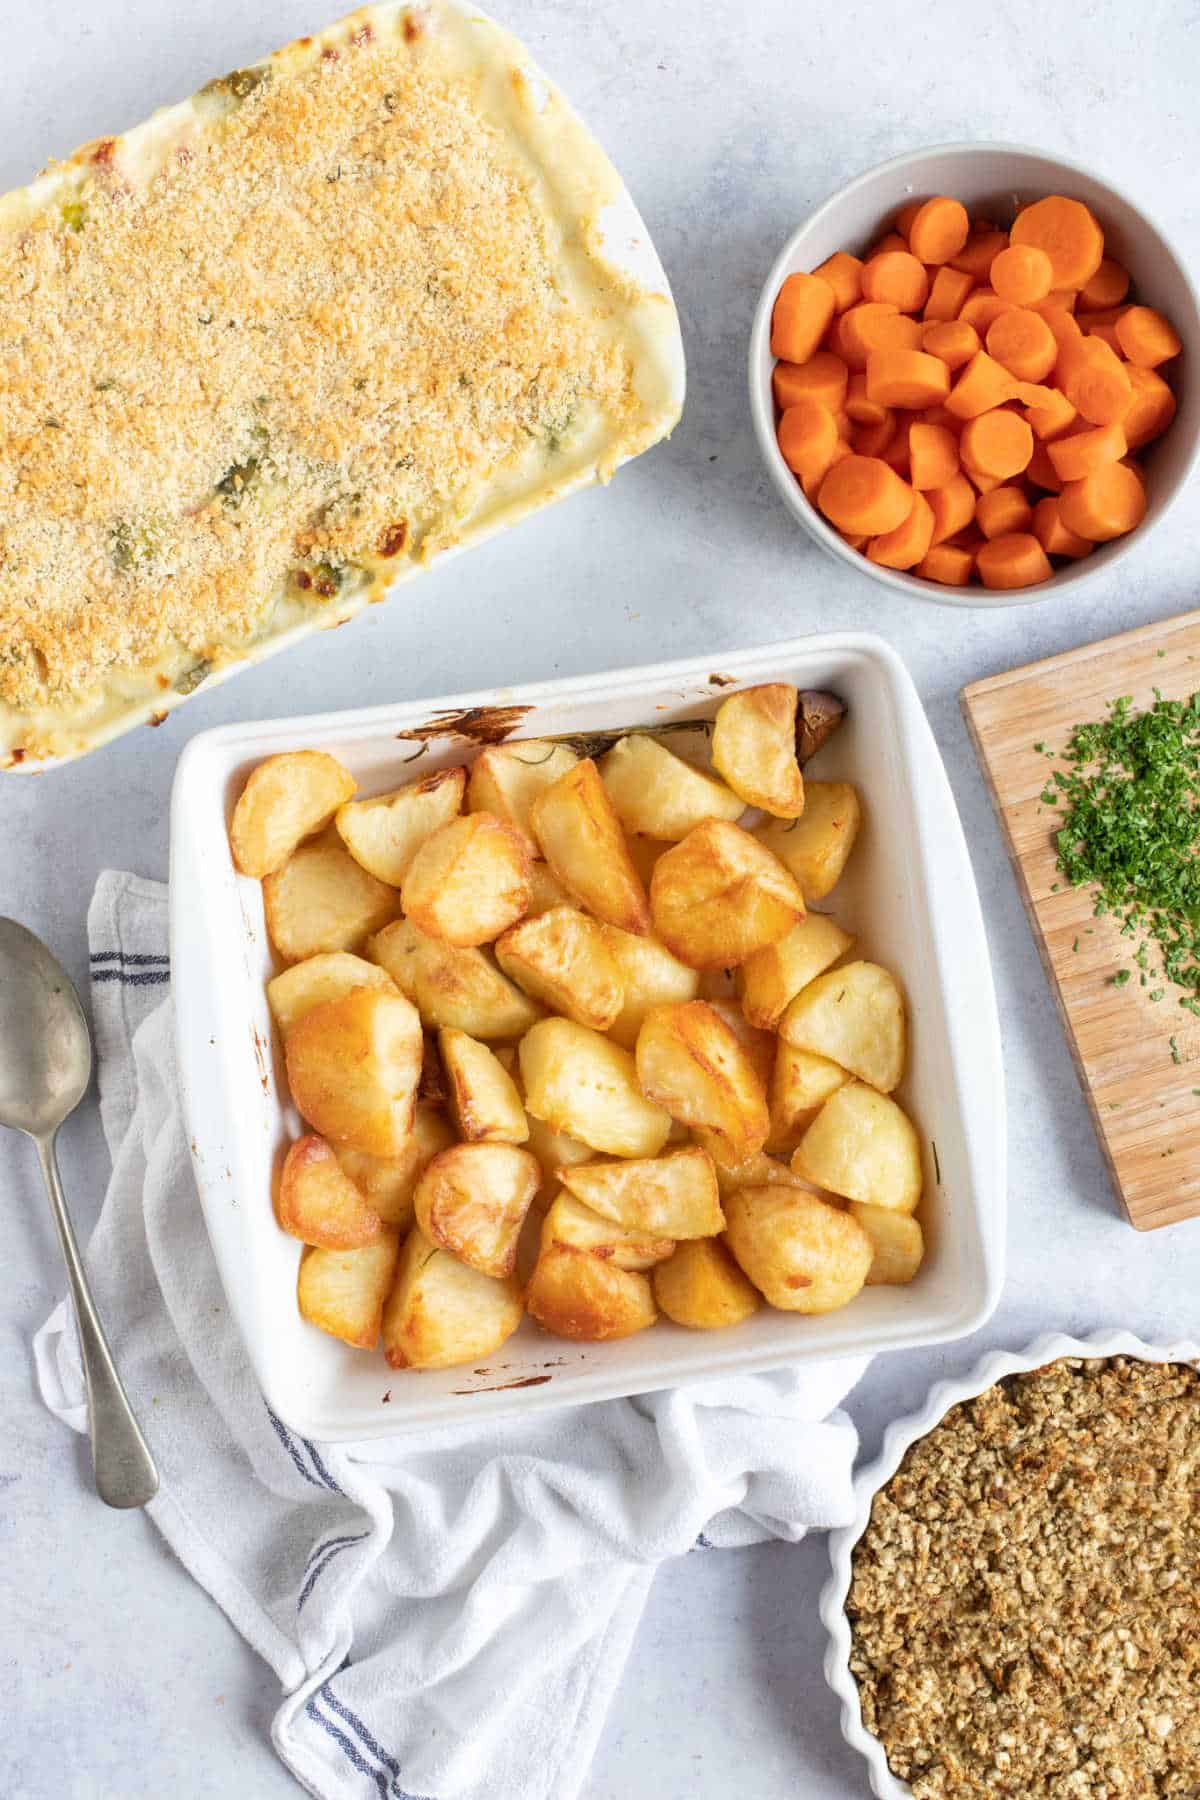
[992, 180]
[909, 892]
[898, 1439]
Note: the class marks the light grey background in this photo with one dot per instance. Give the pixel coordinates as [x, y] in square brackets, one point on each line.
[120, 1678]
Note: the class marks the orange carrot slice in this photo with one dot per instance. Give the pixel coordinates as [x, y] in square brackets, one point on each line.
[997, 443]
[981, 307]
[939, 229]
[1005, 509]
[1041, 471]
[1151, 409]
[947, 292]
[1081, 453]
[843, 273]
[953, 507]
[1015, 560]
[982, 385]
[932, 454]
[873, 440]
[980, 251]
[909, 542]
[1107, 287]
[1022, 273]
[1146, 337]
[1094, 380]
[1105, 504]
[861, 408]
[824, 377]
[808, 437]
[1048, 410]
[952, 339]
[949, 564]
[1061, 322]
[891, 240]
[803, 308]
[1069, 235]
[860, 493]
[874, 325]
[907, 378]
[1023, 343]
[905, 217]
[896, 276]
[1053, 535]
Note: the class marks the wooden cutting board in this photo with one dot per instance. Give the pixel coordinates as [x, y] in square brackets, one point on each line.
[1146, 1105]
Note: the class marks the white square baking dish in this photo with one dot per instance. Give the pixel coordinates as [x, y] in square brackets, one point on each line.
[909, 894]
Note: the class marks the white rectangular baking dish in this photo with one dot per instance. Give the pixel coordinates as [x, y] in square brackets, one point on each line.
[909, 893]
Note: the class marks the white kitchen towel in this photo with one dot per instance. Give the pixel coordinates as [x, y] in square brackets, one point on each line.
[448, 1614]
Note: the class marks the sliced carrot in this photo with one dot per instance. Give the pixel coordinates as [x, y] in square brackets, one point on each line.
[898, 277]
[932, 455]
[1015, 560]
[1048, 410]
[948, 564]
[1105, 504]
[895, 452]
[1053, 535]
[953, 507]
[938, 415]
[947, 291]
[808, 437]
[811, 483]
[803, 308]
[939, 229]
[857, 540]
[873, 440]
[982, 385]
[842, 420]
[1107, 287]
[874, 325]
[1023, 343]
[1061, 322]
[997, 443]
[862, 409]
[1069, 235]
[1022, 273]
[954, 340]
[909, 542]
[1002, 510]
[1146, 337]
[907, 378]
[1041, 471]
[891, 240]
[1102, 329]
[982, 482]
[824, 376]
[1066, 298]
[843, 273]
[1094, 380]
[979, 252]
[1103, 315]
[981, 307]
[860, 493]
[1151, 409]
[905, 217]
[1082, 452]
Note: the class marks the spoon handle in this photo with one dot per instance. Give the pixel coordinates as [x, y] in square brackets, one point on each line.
[124, 1467]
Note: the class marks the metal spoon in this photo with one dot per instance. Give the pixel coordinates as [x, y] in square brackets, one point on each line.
[45, 1068]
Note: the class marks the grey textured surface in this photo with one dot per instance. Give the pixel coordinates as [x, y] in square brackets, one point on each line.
[121, 1678]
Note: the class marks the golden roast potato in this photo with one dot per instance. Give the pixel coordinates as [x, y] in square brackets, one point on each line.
[343, 1291]
[801, 1253]
[718, 896]
[286, 799]
[442, 1312]
[385, 833]
[754, 748]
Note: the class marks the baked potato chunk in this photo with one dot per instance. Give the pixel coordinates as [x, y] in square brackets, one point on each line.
[815, 848]
[577, 1294]
[353, 1066]
[644, 852]
[674, 1196]
[286, 799]
[576, 1227]
[760, 1046]
[801, 1253]
[506, 779]
[555, 1151]
[468, 881]
[754, 748]
[800, 1085]
[702, 1287]
[772, 977]
[472, 1200]
[719, 896]
[580, 837]
[545, 890]
[897, 1240]
[343, 1291]
[318, 978]
[854, 1016]
[694, 1065]
[320, 900]
[319, 1204]
[388, 1182]
[863, 1146]
[587, 1086]
[760, 1170]
[649, 976]
[459, 989]
[442, 1312]
[658, 795]
[563, 958]
[384, 833]
[483, 1097]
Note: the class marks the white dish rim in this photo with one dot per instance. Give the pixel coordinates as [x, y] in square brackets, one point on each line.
[901, 1434]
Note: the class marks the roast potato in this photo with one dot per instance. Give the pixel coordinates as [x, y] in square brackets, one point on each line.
[385, 833]
[545, 890]
[580, 837]
[343, 1291]
[563, 959]
[462, 989]
[320, 900]
[657, 795]
[570, 1223]
[800, 1084]
[286, 799]
[649, 976]
[468, 881]
[587, 1086]
[674, 1196]
[815, 847]
[760, 1046]
[325, 977]
[506, 779]
[897, 1240]
[863, 1146]
[854, 1016]
[388, 1182]
[644, 852]
[691, 1063]
[576, 1294]
[773, 976]
[319, 1204]
[754, 748]
[353, 1066]
[472, 1200]
[719, 896]
[701, 1286]
[801, 1253]
[441, 1312]
[759, 1170]
[483, 1097]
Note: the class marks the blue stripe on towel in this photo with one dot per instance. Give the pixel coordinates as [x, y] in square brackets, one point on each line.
[703, 1543]
[356, 1725]
[322, 1471]
[281, 1432]
[107, 956]
[328, 1544]
[143, 977]
[339, 1737]
[334, 1549]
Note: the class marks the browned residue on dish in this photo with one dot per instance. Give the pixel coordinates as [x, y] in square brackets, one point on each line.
[525, 1381]
[722, 680]
[479, 724]
[260, 1057]
[158, 718]
[16, 756]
